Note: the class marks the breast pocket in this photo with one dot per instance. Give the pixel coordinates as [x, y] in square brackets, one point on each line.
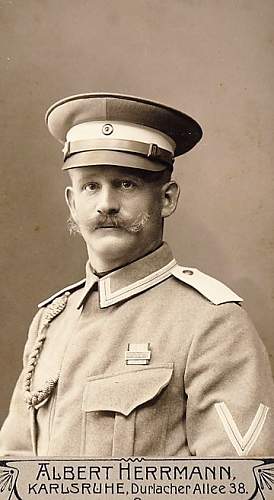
[122, 409]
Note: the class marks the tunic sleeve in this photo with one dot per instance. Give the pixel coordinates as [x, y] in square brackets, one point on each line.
[15, 435]
[229, 387]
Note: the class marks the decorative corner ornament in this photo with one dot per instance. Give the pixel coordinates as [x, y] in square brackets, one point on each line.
[35, 398]
[138, 354]
[8, 478]
[264, 477]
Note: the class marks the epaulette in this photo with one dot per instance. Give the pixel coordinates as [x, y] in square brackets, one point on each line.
[69, 288]
[212, 289]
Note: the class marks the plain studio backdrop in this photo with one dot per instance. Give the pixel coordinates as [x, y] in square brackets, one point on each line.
[213, 59]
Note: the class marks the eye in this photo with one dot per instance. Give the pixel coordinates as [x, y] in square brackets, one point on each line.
[127, 184]
[91, 187]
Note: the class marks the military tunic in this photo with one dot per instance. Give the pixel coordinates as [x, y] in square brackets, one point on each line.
[197, 380]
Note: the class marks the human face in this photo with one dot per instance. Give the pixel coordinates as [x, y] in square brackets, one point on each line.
[118, 212]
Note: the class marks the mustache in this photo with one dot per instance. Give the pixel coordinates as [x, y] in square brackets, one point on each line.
[112, 220]
[119, 222]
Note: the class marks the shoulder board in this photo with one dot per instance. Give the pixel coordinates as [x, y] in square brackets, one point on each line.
[209, 287]
[70, 288]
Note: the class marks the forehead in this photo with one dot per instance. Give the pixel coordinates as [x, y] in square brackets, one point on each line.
[105, 172]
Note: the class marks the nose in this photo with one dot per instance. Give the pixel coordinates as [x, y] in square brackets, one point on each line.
[108, 201]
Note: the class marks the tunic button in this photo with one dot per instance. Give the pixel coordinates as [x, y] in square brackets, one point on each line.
[188, 271]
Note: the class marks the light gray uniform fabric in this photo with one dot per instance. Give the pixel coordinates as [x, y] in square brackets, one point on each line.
[207, 389]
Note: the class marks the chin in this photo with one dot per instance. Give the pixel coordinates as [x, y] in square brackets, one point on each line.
[114, 247]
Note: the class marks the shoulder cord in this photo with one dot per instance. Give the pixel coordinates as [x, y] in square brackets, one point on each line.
[34, 398]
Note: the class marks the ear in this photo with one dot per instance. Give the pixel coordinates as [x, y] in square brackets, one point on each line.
[170, 195]
[70, 200]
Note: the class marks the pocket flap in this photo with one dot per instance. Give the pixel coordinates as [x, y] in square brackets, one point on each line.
[125, 391]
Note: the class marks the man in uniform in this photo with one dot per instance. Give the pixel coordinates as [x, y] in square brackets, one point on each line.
[143, 357]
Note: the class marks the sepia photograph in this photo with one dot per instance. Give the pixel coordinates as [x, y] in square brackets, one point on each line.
[137, 214]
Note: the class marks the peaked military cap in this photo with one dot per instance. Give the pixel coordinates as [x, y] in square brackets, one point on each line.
[121, 130]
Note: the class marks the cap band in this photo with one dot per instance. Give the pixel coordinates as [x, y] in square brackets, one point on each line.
[113, 158]
[151, 151]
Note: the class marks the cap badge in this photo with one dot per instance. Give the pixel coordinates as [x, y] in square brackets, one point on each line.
[107, 129]
[138, 354]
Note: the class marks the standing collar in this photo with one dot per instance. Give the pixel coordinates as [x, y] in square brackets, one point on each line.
[131, 279]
